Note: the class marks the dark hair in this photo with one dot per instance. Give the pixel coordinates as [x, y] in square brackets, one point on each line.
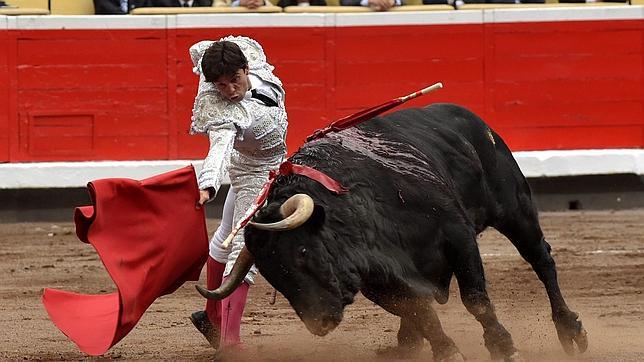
[222, 58]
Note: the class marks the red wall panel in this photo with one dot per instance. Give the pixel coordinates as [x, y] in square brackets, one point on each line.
[105, 90]
[572, 137]
[580, 81]
[374, 64]
[4, 95]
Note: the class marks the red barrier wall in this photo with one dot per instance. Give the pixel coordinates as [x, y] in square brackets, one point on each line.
[90, 95]
[567, 85]
[126, 94]
[4, 96]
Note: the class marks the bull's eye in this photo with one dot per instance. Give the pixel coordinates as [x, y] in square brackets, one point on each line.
[300, 257]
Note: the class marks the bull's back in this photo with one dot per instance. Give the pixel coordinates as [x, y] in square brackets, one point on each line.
[448, 135]
[461, 148]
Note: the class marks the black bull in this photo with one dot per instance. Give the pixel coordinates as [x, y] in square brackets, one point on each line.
[423, 183]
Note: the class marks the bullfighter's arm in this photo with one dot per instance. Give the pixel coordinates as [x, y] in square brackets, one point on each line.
[215, 165]
[220, 120]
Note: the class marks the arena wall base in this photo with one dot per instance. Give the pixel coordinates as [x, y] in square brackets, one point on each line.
[560, 180]
[590, 192]
[534, 164]
[595, 192]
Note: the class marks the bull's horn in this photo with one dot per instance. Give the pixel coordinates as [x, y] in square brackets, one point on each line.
[295, 211]
[242, 265]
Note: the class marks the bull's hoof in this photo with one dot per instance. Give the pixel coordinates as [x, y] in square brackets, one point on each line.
[454, 357]
[514, 357]
[398, 352]
[449, 353]
[499, 343]
[511, 356]
[570, 331]
[582, 340]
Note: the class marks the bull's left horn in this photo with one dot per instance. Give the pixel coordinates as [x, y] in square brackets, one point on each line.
[295, 211]
[242, 266]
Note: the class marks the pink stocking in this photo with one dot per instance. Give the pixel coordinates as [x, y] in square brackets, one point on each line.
[214, 274]
[232, 309]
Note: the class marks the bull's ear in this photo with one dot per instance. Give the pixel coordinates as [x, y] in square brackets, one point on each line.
[269, 213]
[316, 221]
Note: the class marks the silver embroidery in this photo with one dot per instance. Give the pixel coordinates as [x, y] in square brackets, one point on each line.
[215, 165]
[247, 176]
[211, 110]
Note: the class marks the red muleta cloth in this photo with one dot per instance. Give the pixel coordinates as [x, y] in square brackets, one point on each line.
[151, 238]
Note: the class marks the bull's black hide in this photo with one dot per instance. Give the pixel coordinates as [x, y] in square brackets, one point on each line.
[423, 183]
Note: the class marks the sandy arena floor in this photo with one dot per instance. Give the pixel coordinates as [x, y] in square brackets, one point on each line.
[600, 258]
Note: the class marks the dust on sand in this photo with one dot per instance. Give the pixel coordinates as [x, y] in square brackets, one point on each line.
[599, 255]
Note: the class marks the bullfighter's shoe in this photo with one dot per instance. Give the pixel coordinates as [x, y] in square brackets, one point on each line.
[203, 325]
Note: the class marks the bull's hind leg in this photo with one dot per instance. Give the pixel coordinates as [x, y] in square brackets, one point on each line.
[524, 232]
[468, 269]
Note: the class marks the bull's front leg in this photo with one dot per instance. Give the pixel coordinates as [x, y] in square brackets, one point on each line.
[468, 269]
[418, 320]
[426, 319]
[410, 341]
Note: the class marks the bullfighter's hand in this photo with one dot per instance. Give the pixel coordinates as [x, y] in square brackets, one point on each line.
[204, 196]
[251, 4]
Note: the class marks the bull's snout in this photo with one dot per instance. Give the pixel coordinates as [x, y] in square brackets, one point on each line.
[322, 326]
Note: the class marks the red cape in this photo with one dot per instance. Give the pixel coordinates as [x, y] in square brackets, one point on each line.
[151, 238]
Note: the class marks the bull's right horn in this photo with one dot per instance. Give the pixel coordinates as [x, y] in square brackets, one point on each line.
[295, 211]
[242, 266]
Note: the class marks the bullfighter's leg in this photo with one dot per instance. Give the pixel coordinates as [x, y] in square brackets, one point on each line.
[524, 232]
[208, 322]
[468, 269]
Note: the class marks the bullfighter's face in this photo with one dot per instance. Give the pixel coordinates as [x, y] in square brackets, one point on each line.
[234, 87]
[300, 264]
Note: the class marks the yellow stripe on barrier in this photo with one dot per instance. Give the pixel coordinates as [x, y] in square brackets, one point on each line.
[71, 7]
[23, 11]
[30, 4]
